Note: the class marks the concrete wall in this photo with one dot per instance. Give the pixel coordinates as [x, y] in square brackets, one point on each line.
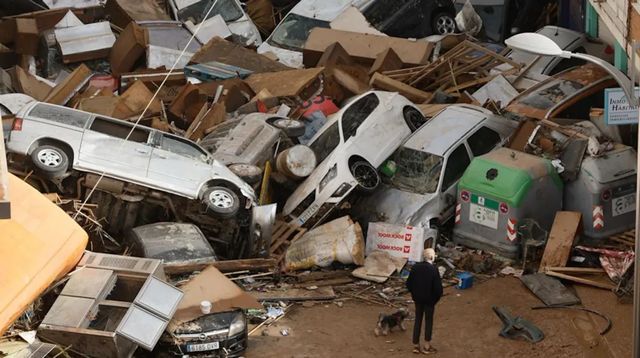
[619, 20]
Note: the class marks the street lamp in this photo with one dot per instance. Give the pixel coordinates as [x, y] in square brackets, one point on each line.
[538, 44]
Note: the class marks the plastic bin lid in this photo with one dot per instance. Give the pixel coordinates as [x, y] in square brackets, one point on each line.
[506, 174]
[617, 164]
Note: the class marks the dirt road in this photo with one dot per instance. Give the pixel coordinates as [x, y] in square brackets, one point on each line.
[465, 326]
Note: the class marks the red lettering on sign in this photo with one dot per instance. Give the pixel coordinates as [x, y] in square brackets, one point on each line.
[407, 249]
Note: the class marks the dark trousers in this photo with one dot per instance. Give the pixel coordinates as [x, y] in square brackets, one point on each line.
[426, 311]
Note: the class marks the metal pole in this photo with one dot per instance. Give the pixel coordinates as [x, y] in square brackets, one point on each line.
[636, 268]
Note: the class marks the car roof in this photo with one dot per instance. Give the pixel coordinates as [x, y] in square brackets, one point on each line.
[326, 10]
[446, 128]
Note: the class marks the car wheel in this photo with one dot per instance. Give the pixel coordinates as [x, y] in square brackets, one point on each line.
[50, 160]
[223, 202]
[443, 23]
[366, 175]
[247, 172]
[291, 127]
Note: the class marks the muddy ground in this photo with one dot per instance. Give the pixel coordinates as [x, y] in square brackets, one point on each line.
[465, 326]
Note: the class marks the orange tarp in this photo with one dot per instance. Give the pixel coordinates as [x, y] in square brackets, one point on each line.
[38, 245]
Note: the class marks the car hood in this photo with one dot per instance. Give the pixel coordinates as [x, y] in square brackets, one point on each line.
[207, 323]
[399, 207]
[311, 183]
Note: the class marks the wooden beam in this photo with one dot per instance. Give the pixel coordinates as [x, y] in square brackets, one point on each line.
[386, 83]
[566, 226]
[224, 266]
[604, 285]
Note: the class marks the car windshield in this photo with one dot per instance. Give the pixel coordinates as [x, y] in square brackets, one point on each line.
[293, 31]
[183, 148]
[228, 9]
[326, 142]
[416, 171]
[552, 93]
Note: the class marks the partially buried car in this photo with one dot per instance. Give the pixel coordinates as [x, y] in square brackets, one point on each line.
[349, 148]
[59, 139]
[183, 247]
[422, 189]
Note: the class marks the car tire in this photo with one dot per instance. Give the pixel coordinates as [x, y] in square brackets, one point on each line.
[366, 175]
[223, 202]
[50, 160]
[247, 172]
[443, 23]
[291, 127]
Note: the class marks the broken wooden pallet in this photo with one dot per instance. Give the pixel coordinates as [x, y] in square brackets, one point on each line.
[455, 68]
[627, 238]
[283, 235]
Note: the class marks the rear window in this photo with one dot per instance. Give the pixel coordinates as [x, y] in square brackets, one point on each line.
[60, 115]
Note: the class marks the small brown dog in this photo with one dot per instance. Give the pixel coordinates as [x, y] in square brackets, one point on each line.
[387, 322]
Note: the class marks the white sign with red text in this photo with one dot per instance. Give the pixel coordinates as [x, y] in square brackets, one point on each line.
[397, 240]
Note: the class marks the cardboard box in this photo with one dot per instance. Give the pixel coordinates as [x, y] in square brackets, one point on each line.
[364, 47]
[128, 49]
[27, 37]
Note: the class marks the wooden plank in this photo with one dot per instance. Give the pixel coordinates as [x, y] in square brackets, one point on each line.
[386, 83]
[283, 238]
[604, 285]
[576, 269]
[322, 283]
[297, 294]
[259, 264]
[563, 232]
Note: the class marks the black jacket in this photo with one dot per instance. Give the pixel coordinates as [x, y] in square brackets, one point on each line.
[424, 284]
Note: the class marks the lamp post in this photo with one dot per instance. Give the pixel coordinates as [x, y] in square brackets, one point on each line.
[538, 44]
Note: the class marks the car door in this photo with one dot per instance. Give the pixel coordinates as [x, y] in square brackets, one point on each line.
[178, 165]
[116, 148]
[457, 162]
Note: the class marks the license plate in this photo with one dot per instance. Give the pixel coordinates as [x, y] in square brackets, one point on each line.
[308, 214]
[483, 216]
[623, 204]
[200, 347]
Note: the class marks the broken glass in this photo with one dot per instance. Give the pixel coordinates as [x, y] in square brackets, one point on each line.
[293, 31]
[416, 171]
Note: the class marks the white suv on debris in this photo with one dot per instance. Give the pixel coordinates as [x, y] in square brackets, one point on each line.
[59, 139]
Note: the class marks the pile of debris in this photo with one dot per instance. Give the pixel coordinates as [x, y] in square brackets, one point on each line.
[216, 178]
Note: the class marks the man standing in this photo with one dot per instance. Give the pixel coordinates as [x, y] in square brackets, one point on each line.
[426, 289]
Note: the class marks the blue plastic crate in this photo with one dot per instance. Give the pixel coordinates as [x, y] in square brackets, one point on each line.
[465, 280]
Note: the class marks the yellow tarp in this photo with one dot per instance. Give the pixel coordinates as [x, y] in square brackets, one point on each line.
[39, 244]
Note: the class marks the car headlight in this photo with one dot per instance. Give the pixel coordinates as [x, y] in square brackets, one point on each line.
[342, 189]
[238, 325]
[331, 174]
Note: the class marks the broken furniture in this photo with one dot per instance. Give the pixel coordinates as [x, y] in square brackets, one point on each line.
[111, 305]
[464, 66]
[515, 327]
